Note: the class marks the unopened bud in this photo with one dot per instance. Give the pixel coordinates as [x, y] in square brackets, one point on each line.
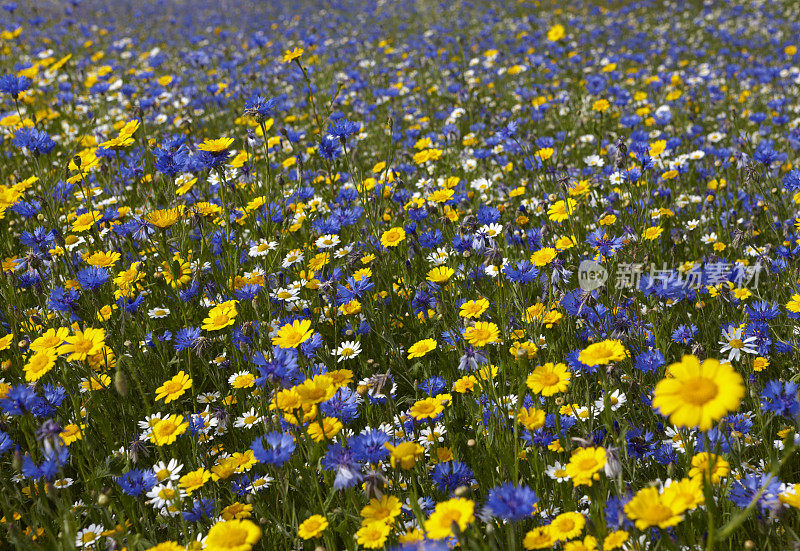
[121, 382]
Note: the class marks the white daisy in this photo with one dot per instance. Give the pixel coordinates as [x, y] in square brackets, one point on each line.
[347, 350]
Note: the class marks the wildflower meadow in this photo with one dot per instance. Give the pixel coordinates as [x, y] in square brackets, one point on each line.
[408, 275]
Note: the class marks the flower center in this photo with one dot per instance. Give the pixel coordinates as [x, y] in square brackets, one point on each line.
[700, 391]
[549, 379]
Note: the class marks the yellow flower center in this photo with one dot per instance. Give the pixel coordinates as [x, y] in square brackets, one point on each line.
[549, 379]
[736, 343]
[700, 391]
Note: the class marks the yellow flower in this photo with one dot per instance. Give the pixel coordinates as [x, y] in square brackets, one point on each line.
[39, 364]
[696, 395]
[316, 390]
[658, 148]
[219, 317]
[473, 308]
[72, 433]
[561, 210]
[392, 237]
[324, 430]
[85, 221]
[383, 510]
[601, 105]
[51, 338]
[556, 33]
[215, 146]
[458, 510]
[531, 418]
[567, 525]
[652, 233]
[420, 348]
[233, 535]
[707, 465]
[603, 353]
[482, 333]
[294, 334]
[427, 408]
[539, 538]
[441, 274]
[163, 218]
[174, 388]
[168, 546]
[585, 464]
[83, 344]
[167, 430]
[312, 527]
[614, 540]
[194, 480]
[373, 535]
[291, 55]
[589, 543]
[543, 256]
[404, 453]
[648, 508]
[103, 259]
[549, 379]
[237, 510]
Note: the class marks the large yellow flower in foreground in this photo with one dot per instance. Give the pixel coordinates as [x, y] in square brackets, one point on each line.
[696, 395]
[233, 535]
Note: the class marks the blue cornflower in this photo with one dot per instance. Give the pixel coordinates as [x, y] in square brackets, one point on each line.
[615, 512]
[19, 400]
[343, 405]
[472, 359]
[449, 475]
[259, 106]
[329, 148]
[167, 162]
[279, 448]
[369, 446]
[523, 272]
[41, 238]
[763, 488]
[433, 386]
[512, 502]
[5, 442]
[53, 461]
[282, 368]
[684, 334]
[92, 277]
[604, 244]
[186, 338]
[346, 465]
[791, 180]
[36, 141]
[247, 292]
[342, 128]
[13, 85]
[201, 508]
[762, 311]
[652, 360]
[136, 481]
[780, 398]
